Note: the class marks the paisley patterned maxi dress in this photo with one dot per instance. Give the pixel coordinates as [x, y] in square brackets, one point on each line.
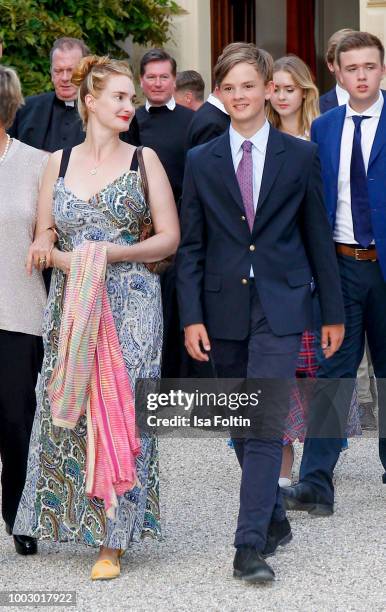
[54, 505]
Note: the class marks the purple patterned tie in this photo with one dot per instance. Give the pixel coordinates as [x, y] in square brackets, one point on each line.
[245, 178]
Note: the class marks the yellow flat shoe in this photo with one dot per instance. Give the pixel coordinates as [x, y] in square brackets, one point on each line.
[105, 570]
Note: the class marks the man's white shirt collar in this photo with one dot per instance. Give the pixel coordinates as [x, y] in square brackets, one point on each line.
[342, 95]
[259, 140]
[216, 102]
[171, 104]
[374, 110]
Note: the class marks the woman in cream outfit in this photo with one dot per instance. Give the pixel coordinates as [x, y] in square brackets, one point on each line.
[22, 301]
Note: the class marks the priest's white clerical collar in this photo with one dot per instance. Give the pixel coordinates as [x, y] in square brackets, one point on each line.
[171, 104]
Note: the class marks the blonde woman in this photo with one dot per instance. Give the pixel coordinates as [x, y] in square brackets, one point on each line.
[293, 105]
[22, 301]
[98, 196]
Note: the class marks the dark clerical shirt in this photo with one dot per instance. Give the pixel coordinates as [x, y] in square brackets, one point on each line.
[165, 132]
[64, 128]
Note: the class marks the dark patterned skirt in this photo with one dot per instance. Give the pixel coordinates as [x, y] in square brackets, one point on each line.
[307, 367]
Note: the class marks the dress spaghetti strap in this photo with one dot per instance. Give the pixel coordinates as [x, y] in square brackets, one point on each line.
[64, 162]
[134, 161]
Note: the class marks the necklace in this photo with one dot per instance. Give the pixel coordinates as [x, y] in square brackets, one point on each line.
[2, 158]
[94, 170]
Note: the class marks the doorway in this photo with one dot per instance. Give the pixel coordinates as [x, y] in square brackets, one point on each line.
[231, 21]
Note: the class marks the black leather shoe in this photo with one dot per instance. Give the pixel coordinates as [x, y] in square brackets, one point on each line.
[303, 496]
[279, 534]
[384, 478]
[24, 545]
[249, 565]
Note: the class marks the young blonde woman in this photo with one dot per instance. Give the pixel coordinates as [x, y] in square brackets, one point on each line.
[94, 192]
[292, 107]
[294, 103]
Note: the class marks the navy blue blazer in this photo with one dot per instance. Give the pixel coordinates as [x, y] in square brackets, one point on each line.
[326, 131]
[207, 123]
[328, 101]
[291, 241]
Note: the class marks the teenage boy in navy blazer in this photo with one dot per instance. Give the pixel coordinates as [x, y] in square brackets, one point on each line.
[337, 95]
[254, 234]
[352, 149]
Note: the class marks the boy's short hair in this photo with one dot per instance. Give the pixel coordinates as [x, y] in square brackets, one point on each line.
[334, 41]
[360, 40]
[191, 80]
[239, 52]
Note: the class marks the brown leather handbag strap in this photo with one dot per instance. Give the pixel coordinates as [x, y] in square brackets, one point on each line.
[142, 170]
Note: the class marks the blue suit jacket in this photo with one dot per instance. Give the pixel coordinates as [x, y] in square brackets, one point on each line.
[290, 243]
[328, 101]
[326, 131]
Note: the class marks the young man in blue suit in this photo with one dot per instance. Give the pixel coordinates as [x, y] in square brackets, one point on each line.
[254, 234]
[352, 149]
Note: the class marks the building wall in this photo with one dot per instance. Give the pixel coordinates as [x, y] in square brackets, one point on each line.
[190, 42]
[191, 32]
[373, 18]
[271, 26]
[332, 16]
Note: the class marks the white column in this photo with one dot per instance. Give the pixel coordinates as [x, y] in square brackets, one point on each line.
[373, 20]
[373, 17]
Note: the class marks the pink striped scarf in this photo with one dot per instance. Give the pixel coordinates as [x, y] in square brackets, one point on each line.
[90, 378]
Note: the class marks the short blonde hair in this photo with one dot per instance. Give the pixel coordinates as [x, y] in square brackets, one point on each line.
[11, 97]
[334, 41]
[302, 77]
[90, 77]
[240, 52]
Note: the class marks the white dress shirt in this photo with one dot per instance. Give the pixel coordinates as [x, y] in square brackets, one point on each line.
[217, 103]
[342, 95]
[344, 231]
[259, 146]
[171, 104]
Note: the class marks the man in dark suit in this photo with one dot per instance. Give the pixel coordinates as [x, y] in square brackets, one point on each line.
[190, 89]
[337, 95]
[352, 148]
[209, 121]
[161, 123]
[50, 121]
[254, 234]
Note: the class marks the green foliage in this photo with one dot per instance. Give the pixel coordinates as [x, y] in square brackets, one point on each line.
[29, 28]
